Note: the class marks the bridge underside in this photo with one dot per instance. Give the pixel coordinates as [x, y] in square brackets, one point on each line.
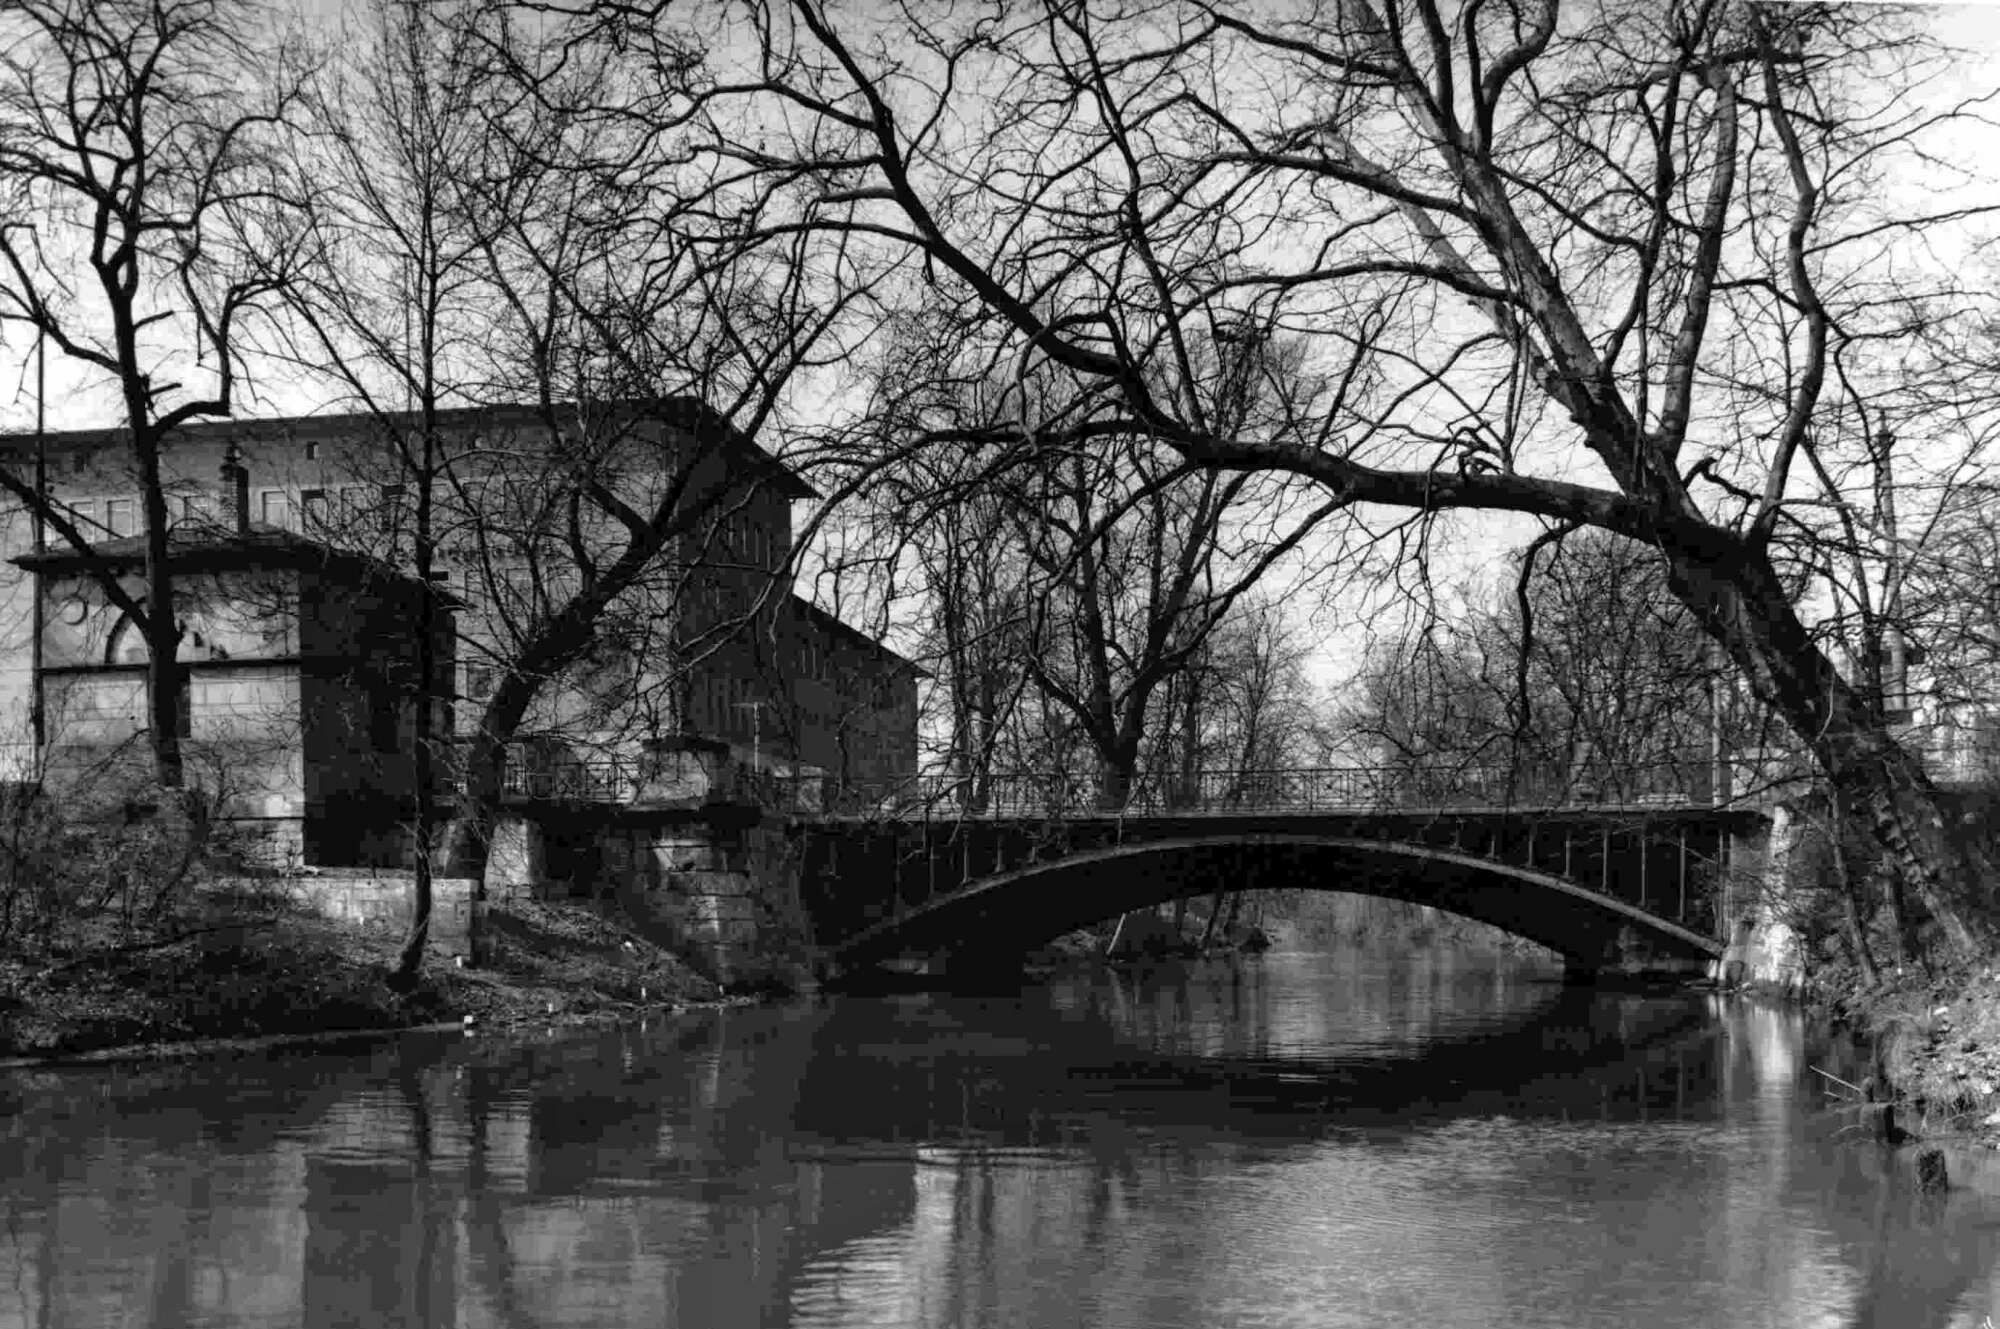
[1006, 916]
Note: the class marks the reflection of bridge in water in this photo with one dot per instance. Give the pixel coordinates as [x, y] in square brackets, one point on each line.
[1626, 875]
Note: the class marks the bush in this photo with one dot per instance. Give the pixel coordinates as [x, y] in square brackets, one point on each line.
[82, 866]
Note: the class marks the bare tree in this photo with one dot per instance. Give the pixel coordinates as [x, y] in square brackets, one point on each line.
[1587, 679]
[1671, 225]
[147, 224]
[390, 285]
[1123, 559]
[1244, 707]
[568, 340]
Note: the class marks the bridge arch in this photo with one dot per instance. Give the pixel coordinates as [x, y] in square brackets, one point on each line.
[1011, 913]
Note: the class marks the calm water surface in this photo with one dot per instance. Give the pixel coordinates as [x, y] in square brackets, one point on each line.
[1312, 1139]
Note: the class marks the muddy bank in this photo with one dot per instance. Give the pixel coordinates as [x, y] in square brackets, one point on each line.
[288, 977]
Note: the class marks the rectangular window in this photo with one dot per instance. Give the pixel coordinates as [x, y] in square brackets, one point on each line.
[313, 509]
[385, 722]
[312, 451]
[277, 508]
[118, 516]
[83, 512]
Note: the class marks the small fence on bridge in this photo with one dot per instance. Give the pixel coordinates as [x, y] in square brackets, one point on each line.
[1278, 790]
[636, 781]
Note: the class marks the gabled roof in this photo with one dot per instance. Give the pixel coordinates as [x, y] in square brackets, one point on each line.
[853, 636]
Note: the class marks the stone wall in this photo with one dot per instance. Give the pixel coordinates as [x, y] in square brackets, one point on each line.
[726, 897]
[380, 900]
[717, 884]
[1766, 880]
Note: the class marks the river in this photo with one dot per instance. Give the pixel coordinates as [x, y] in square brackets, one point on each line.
[1323, 1139]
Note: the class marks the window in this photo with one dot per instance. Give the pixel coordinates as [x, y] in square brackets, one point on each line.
[313, 508]
[312, 451]
[118, 516]
[277, 508]
[83, 513]
[385, 720]
[456, 583]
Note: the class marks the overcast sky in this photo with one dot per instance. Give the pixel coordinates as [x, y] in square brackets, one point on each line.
[75, 402]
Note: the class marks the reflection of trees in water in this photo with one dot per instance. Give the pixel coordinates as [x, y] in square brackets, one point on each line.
[1924, 1251]
[711, 1171]
[654, 1175]
[381, 1236]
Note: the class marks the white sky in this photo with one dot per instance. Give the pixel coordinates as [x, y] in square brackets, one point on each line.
[75, 401]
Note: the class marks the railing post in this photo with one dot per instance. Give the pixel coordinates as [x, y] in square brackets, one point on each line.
[1645, 856]
[1681, 915]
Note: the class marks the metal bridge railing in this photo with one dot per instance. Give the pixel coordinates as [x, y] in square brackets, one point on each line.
[623, 780]
[1279, 790]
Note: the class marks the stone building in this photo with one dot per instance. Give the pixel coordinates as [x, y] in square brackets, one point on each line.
[300, 601]
[301, 682]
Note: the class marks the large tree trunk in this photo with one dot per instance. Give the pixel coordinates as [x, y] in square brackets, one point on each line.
[1115, 771]
[1882, 788]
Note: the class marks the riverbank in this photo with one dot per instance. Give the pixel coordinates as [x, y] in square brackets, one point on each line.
[1934, 1065]
[288, 974]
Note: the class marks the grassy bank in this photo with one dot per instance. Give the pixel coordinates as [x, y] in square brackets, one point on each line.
[284, 971]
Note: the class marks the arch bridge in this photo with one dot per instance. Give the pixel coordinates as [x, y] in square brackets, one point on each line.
[1619, 880]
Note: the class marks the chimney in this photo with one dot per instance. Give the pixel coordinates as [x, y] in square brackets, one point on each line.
[236, 486]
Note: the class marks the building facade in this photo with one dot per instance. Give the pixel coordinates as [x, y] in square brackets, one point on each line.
[529, 515]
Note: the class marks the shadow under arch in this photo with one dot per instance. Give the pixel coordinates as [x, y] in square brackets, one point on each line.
[1011, 913]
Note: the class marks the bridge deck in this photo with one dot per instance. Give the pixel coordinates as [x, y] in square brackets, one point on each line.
[1734, 814]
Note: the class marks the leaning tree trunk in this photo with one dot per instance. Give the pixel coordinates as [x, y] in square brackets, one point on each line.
[1884, 793]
